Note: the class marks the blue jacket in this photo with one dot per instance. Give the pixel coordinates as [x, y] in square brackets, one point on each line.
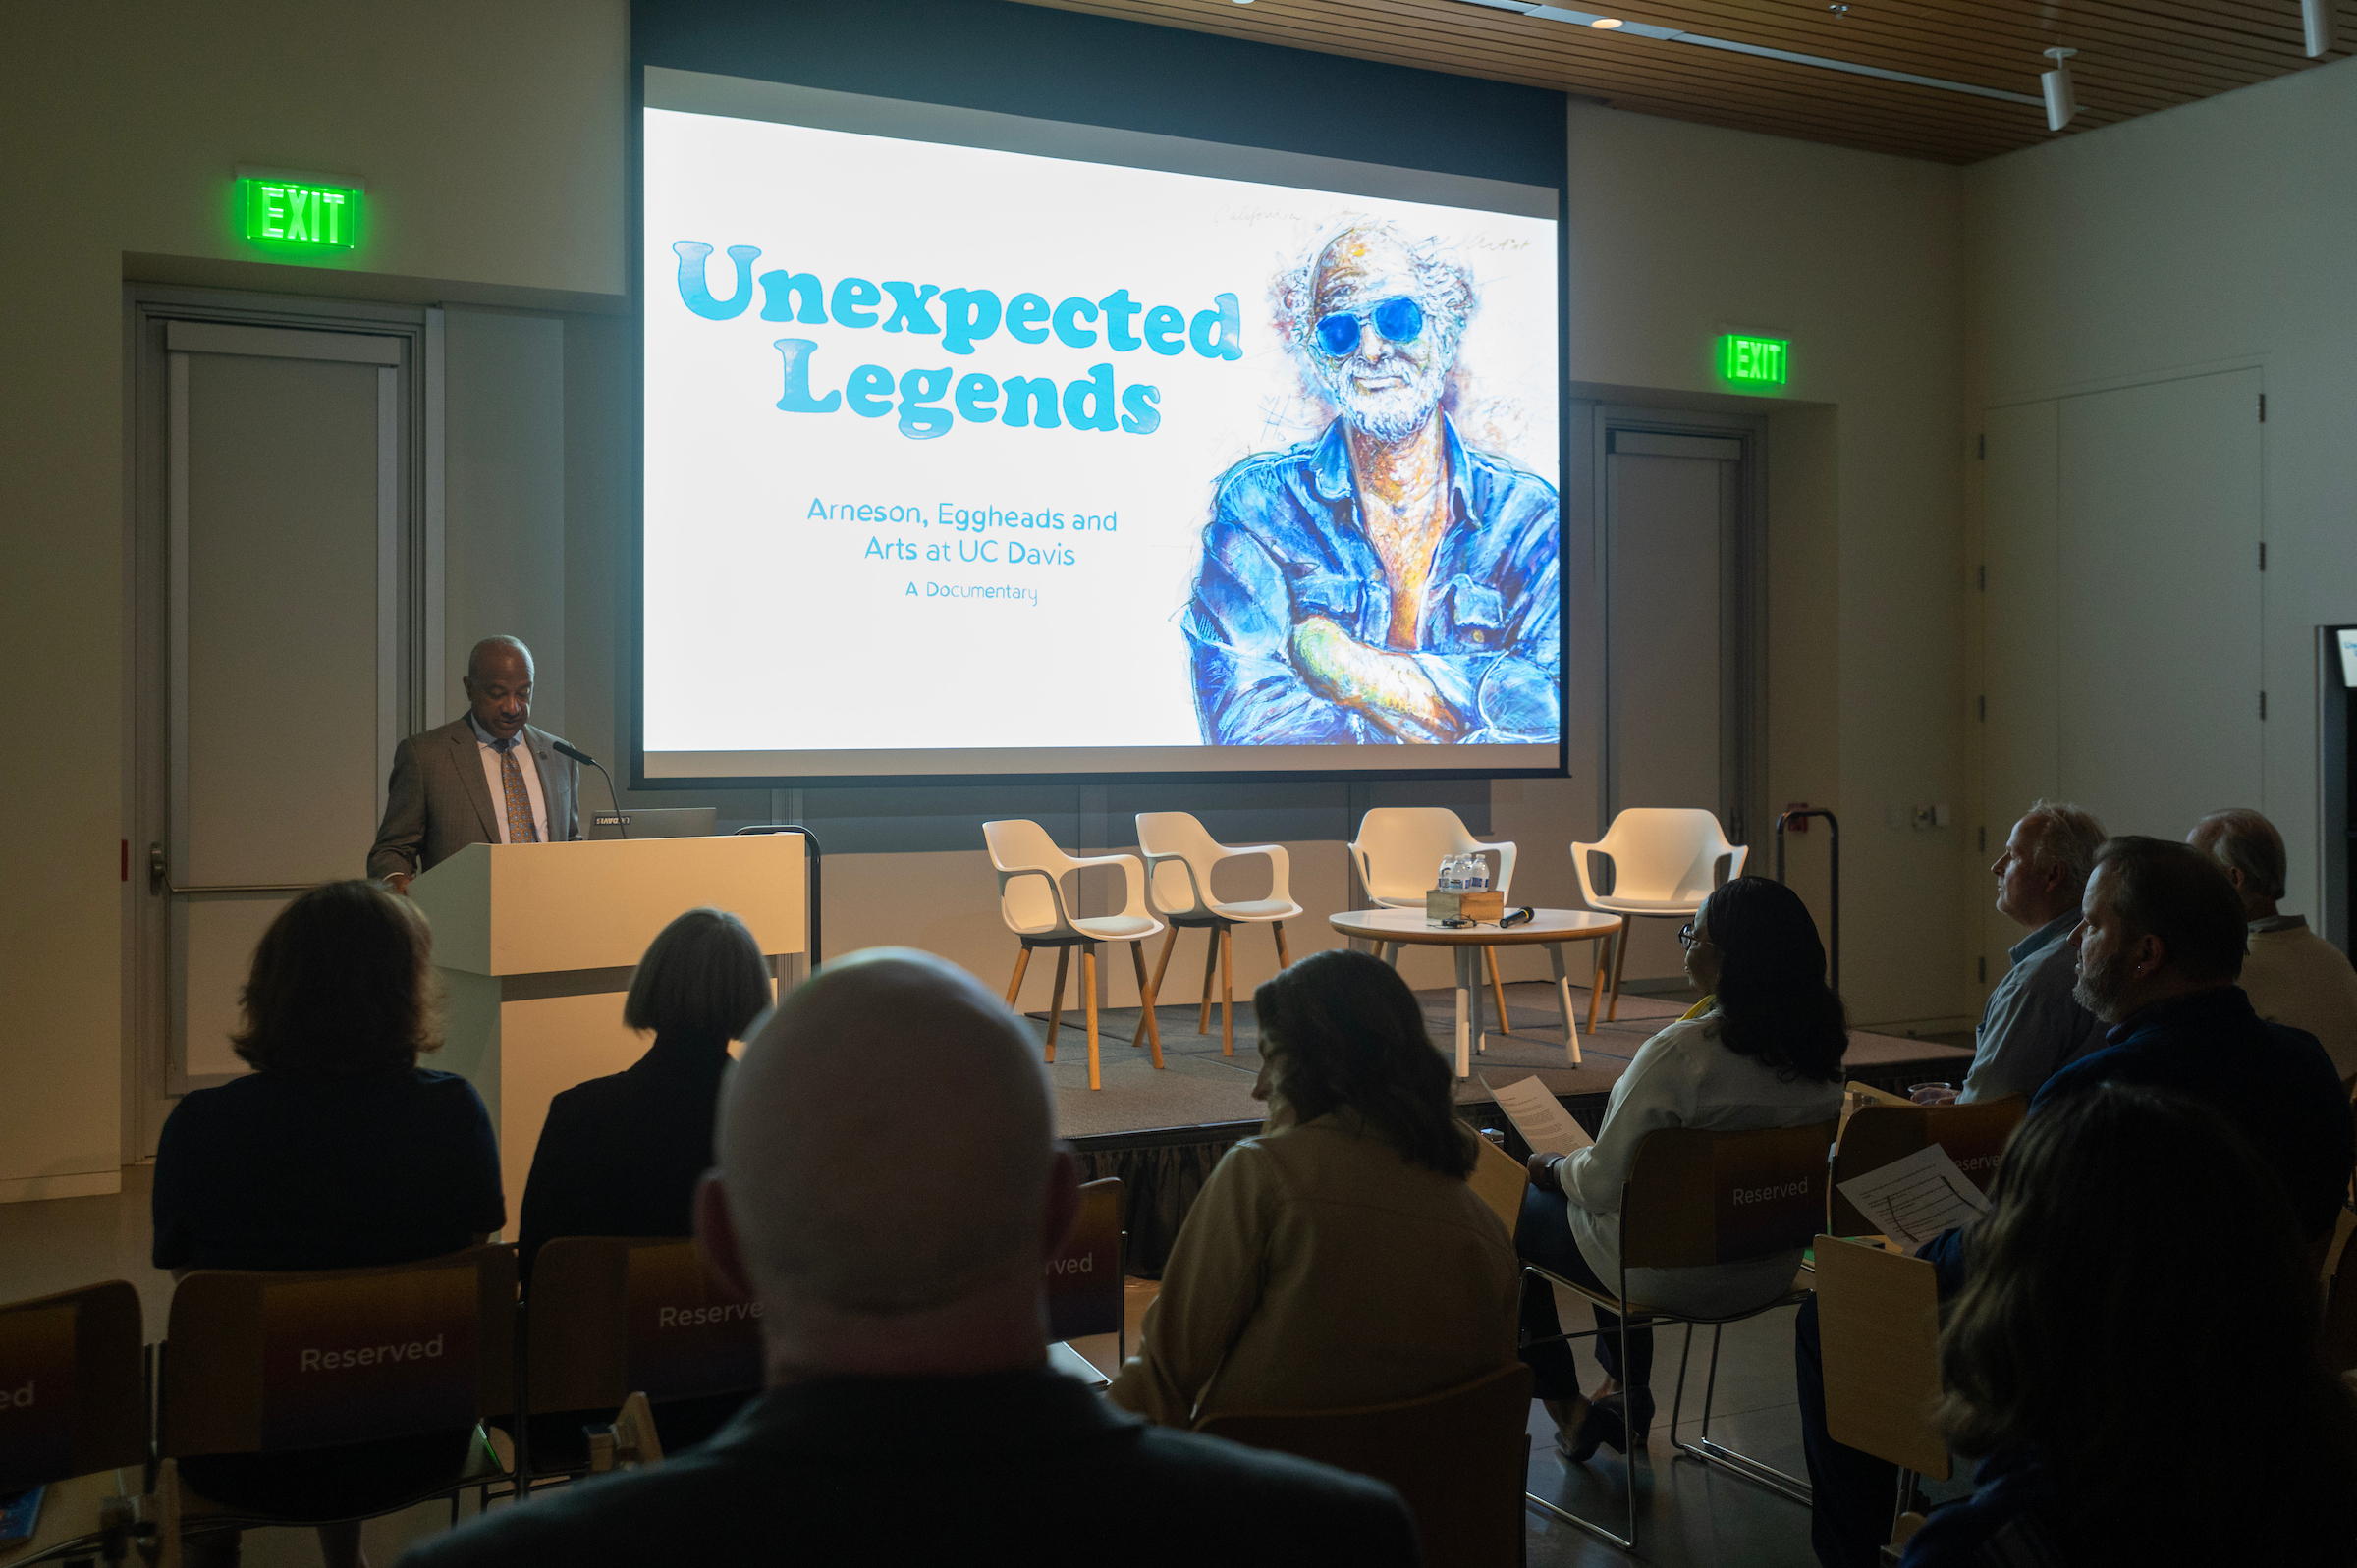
[1285, 543]
[2271, 1082]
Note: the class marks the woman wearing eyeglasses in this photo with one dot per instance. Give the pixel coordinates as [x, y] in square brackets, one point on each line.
[1762, 1048]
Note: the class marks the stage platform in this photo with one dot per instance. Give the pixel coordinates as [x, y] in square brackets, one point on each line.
[1162, 1132]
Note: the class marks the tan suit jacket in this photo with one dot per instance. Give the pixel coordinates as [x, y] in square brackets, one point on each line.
[440, 800]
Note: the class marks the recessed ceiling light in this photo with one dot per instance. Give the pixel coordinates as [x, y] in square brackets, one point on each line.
[1606, 23]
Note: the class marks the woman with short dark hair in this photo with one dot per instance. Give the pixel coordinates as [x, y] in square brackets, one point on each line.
[1762, 1049]
[2063, 1359]
[337, 1152]
[1338, 1258]
[621, 1156]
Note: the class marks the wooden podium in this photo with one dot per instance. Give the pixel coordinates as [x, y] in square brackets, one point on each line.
[536, 944]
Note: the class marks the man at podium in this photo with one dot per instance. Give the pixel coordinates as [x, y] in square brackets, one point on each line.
[488, 777]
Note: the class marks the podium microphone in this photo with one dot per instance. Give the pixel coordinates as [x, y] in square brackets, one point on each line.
[622, 821]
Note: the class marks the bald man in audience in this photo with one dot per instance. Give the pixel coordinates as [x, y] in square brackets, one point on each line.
[890, 1192]
[487, 777]
[2292, 975]
[2032, 1024]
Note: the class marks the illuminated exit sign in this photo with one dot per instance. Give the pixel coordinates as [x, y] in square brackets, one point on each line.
[1754, 362]
[299, 212]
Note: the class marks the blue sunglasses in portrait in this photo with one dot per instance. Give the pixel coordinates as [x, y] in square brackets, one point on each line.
[1398, 319]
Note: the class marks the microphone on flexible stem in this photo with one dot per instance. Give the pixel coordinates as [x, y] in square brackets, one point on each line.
[622, 821]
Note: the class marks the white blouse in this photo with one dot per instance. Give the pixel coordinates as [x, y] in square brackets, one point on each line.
[1684, 1077]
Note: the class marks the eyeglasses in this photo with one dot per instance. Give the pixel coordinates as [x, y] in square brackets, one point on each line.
[1688, 938]
[1398, 320]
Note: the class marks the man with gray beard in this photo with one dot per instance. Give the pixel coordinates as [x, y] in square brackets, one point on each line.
[1384, 582]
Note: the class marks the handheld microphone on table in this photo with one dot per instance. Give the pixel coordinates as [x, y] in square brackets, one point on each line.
[622, 821]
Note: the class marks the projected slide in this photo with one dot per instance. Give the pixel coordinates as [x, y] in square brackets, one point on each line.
[961, 460]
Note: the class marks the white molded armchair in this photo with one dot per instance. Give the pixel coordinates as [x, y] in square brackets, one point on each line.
[1031, 902]
[1398, 853]
[1665, 861]
[1179, 857]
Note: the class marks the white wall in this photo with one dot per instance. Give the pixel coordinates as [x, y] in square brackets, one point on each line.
[490, 137]
[2221, 232]
[491, 144]
[1680, 232]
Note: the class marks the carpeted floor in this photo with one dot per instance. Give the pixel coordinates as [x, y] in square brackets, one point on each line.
[1200, 1086]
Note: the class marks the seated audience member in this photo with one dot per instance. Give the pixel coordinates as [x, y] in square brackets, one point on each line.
[2160, 944]
[2292, 975]
[2032, 1024]
[1763, 1050]
[889, 1192]
[621, 1156]
[2063, 1355]
[337, 1152]
[1338, 1258]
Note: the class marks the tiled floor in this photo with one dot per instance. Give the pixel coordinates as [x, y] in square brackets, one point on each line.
[1687, 1513]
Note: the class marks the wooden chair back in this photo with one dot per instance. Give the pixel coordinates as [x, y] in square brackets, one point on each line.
[269, 1361]
[1695, 1197]
[1458, 1459]
[1974, 1137]
[1877, 1318]
[72, 1401]
[1498, 1180]
[610, 1316]
[1084, 1277]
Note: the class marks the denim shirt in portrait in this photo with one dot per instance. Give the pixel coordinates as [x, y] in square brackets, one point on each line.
[1286, 542]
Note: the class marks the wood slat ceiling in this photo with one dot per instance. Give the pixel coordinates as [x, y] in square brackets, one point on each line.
[2135, 56]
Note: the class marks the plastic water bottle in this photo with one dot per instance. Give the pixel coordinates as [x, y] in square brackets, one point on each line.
[1477, 873]
[1448, 882]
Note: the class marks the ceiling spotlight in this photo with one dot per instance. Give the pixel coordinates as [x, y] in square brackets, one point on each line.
[2060, 102]
[1838, 11]
[2317, 16]
[1606, 23]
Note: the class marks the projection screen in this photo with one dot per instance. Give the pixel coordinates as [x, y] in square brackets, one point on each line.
[980, 446]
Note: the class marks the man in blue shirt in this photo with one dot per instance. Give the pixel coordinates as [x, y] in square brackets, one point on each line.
[2032, 1024]
[1384, 582]
[2160, 946]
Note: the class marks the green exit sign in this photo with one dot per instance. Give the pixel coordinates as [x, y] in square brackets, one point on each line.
[1754, 362]
[298, 213]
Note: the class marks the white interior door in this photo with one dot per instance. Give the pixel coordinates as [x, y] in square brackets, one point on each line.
[284, 473]
[2160, 670]
[1671, 640]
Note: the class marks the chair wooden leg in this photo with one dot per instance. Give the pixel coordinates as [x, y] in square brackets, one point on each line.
[1089, 988]
[1620, 962]
[1498, 990]
[1604, 946]
[1145, 1024]
[1211, 970]
[1285, 960]
[1056, 1003]
[1023, 961]
[1227, 999]
[1146, 994]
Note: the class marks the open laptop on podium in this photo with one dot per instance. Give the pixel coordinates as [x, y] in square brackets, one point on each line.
[663, 822]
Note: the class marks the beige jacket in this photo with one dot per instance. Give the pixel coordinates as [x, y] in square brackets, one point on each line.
[2295, 977]
[1317, 1271]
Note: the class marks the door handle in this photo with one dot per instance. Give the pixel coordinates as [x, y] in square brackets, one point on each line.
[159, 880]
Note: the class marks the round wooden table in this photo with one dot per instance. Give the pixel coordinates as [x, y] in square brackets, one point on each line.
[1393, 929]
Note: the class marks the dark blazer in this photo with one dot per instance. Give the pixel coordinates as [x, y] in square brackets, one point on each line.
[621, 1156]
[439, 800]
[1020, 1467]
[295, 1170]
[2272, 1082]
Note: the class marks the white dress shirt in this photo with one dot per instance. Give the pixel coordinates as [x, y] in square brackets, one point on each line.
[2295, 977]
[526, 762]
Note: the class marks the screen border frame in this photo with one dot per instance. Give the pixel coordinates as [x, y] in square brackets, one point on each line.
[631, 584]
